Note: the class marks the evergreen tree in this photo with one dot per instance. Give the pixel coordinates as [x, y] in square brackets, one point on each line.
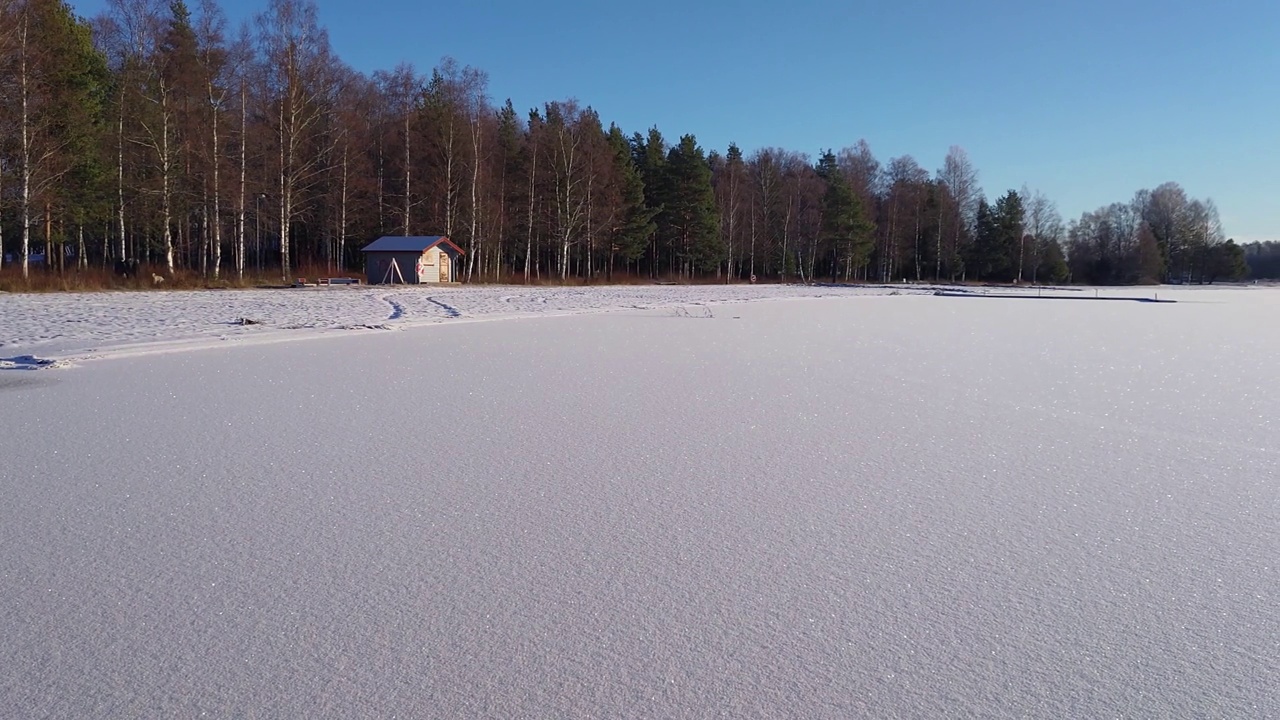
[649, 154]
[691, 208]
[634, 223]
[1053, 265]
[59, 81]
[986, 255]
[845, 228]
[1009, 218]
[998, 238]
[1150, 259]
[1263, 259]
[1226, 262]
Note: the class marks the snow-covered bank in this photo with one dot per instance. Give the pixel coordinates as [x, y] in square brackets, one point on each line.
[71, 324]
[75, 326]
[921, 507]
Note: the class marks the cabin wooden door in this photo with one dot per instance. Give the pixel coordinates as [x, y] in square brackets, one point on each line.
[444, 267]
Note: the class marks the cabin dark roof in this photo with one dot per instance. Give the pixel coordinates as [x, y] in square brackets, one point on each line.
[398, 243]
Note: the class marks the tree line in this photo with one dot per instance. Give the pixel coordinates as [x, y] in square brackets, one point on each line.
[157, 132]
[1263, 259]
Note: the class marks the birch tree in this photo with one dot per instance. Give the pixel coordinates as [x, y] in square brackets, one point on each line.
[214, 67]
[730, 185]
[570, 174]
[402, 90]
[961, 180]
[164, 64]
[298, 89]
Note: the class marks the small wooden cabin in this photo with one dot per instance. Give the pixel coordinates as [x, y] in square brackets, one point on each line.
[411, 260]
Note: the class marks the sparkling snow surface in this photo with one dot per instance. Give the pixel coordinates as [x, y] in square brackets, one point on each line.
[827, 508]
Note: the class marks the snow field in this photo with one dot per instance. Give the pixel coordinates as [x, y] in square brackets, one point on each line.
[876, 507]
[96, 324]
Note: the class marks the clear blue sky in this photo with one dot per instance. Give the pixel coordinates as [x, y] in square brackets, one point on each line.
[1087, 100]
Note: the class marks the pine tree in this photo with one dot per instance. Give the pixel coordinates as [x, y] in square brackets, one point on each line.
[984, 256]
[1053, 265]
[691, 208]
[649, 155]
[845, 228]
[59, 86]
[998, 238]
[1226, 262]
[634, 222]
[1150, 259]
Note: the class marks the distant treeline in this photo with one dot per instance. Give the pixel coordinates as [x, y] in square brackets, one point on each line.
[156, 133]
[1263, 259]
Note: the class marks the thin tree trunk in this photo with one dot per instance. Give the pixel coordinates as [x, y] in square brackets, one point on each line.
[342, 214]
[786, 235]
[1022, 254]
[26, 154]
[500, 235]
[448, 187]
[407, 176]
[120, 175]
[204, 232]
[587, 270]
[166, 209]
[475, 240]
[1, 220]
[382, 182]
[918, 270]
[528, 251]
[240, 211]
[217, 202]
[937, 270]
[49, 259]
[284, 201]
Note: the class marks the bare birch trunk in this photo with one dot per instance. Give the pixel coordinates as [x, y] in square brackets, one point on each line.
[528, 250]
[240, 211]
[342, 215]
[475, 240]
[120, 177]
[166, 209]
[284, 200]
[217, 203]
[26, 155]
[448, 186]
[286, 210]
[590, 238]
[406, 175]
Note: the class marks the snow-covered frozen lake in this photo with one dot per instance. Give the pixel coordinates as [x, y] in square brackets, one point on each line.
[640, 502]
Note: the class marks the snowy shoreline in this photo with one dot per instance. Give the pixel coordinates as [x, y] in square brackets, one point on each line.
[55, 330]
[71, 327]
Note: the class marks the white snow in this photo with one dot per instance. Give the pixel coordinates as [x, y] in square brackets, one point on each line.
[844, 507]
[75, 325]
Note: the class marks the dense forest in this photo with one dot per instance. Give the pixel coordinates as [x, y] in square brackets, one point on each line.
[157, 132]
